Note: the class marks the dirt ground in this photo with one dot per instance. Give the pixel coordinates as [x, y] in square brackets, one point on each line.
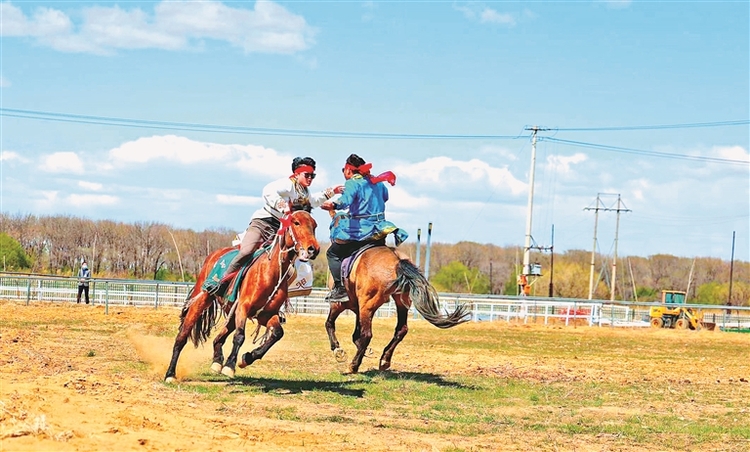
[57, 394]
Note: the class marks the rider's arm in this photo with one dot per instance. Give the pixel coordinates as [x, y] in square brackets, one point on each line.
[276, 195]
[318, 198]
[351, 187]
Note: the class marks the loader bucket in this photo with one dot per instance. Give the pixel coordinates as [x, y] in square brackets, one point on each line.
[710, 326]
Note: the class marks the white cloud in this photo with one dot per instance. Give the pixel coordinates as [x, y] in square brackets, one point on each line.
[639, 189]
[489, 15]
[369, 9]
[174, 25]
[93, 186]
[4, 82]
[447, 171]
[247, 158]
[89, 200]
[7, 156]
[62, 162]
[239, 200]
[47, 200]
[398, 198]
[476, 11]
[503, 152]
[731, 152]
[562, 163]
[168, 147]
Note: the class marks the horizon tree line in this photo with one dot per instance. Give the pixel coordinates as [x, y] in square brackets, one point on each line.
[149, 250]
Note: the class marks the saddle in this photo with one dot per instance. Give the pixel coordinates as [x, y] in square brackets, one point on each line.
[220, 268]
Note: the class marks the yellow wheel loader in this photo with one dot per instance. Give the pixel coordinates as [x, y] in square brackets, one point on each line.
[673, 313]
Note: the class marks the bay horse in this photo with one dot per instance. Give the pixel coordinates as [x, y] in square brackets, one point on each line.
[262, 292]
[381, 273]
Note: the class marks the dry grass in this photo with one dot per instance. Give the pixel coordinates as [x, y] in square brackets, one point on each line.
[72, 378]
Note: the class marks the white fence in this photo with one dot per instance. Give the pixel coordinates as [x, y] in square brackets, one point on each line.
[157, 294]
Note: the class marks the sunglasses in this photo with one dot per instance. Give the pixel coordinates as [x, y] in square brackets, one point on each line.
[309, 175]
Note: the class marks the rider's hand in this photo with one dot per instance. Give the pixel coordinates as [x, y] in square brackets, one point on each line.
[338, 189]
[328, 205]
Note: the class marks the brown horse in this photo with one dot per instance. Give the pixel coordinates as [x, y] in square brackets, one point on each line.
[263, 291]
[379, 274]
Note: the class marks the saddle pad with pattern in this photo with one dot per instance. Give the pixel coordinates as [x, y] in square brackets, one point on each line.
[220, 268]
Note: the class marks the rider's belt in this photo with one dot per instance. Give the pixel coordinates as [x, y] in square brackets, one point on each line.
[372, 216]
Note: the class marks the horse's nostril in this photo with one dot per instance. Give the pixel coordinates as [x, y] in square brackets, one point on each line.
[313, 251]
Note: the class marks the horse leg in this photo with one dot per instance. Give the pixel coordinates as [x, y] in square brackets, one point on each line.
[240, 319]
[333, 314]
[362, 336]
[190, 316]
[219, 341]
[274, 333]
[402, 328]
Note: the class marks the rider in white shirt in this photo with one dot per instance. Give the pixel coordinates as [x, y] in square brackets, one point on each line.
[281, 197]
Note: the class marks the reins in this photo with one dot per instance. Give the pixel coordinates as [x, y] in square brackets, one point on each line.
[282, 276]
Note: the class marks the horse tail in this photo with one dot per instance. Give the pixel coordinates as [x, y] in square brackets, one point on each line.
[425, 298]
[205, 322]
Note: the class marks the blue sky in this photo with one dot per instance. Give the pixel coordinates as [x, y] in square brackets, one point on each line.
[391, 73]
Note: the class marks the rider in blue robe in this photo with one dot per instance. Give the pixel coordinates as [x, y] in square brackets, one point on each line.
[363, 222]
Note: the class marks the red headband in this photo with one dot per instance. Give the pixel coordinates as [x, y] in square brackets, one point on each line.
[304, 169]
[363, 169]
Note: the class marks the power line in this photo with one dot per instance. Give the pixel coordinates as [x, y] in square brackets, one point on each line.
[693, 125]
[215, 128]
[648, 153]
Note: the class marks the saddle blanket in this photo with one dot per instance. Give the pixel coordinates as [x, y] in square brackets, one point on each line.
[300, 281]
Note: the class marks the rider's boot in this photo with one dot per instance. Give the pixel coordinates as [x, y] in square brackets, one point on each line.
[337, 295]
[220, 288]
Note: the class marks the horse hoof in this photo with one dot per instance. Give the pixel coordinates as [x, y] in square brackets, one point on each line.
[216, 368]
[170, 380]
[243, 362]
[339, 355]
[228, 371]
[353, 370]
[385, 365]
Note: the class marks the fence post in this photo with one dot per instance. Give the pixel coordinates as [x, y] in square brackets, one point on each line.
[106, 297]
[156, 298]
[28, 291]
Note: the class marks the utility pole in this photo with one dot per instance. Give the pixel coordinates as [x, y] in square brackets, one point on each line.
[419, 245]
[427, 253]
[491, 286]
[593, 248]
[731, 272]
[614, 260]
[552, 263]
[527, 242]
[596, 209]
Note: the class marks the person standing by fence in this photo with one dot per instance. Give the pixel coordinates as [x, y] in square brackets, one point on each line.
[84, 277]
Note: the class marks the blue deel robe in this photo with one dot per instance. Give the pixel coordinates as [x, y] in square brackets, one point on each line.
[365, 219]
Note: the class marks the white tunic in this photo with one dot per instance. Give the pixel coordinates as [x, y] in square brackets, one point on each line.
[278, 194]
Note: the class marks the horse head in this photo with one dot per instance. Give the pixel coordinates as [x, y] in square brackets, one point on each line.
[299, 234]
